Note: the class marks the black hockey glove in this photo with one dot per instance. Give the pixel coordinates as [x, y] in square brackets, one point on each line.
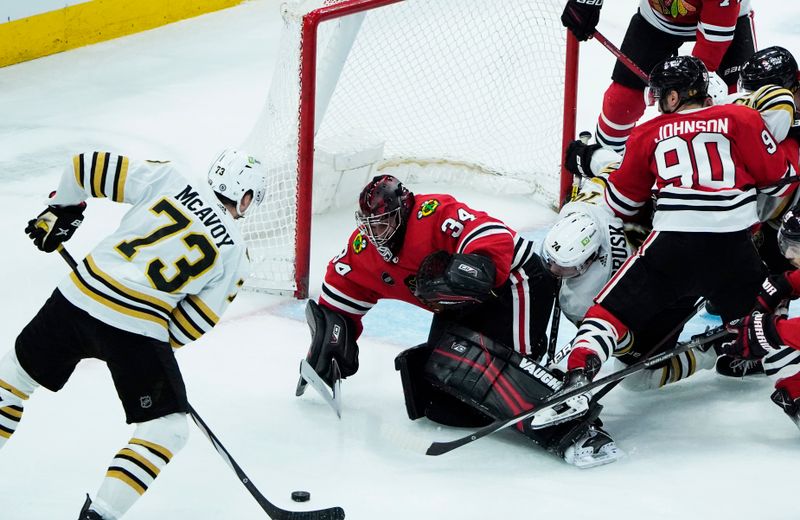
[774, 290]
[55, 225]
[757, 336]
[581, 17]
[579, 157]
[446, 281]
[332, 337]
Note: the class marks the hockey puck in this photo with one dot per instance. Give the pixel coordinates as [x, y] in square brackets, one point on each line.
[301, 496]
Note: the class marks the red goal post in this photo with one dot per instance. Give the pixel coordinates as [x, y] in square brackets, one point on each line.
[481, 92]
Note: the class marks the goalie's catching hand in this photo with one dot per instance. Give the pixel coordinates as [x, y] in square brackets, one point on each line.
[446, 281]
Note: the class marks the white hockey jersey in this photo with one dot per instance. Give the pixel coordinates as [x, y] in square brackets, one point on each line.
[175, 262]
[577, 294]
[777, 108]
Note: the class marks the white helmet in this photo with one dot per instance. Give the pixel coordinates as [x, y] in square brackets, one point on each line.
[233, 174]
[571, 245]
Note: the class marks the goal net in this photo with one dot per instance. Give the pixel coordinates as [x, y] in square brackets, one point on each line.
[468, 92]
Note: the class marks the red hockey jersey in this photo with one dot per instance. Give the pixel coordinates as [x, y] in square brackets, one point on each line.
[705, 165]
[358, 277]
[710, 22]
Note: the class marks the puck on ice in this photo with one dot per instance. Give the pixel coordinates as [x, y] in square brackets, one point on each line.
[301, 496]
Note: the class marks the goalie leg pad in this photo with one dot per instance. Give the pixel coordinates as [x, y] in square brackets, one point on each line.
[332, 336]
[497, 381]
[426, 400]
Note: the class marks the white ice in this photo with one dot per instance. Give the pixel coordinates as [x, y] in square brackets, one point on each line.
[706, 448]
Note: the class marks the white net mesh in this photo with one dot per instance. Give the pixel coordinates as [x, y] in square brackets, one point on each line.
[466, 91]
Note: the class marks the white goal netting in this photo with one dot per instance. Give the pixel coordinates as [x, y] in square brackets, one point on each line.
[460, 91]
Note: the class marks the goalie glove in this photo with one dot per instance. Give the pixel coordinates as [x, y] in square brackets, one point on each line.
[447, 281]
[55, 225]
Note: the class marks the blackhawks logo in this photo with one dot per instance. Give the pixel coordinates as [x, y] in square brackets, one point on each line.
[427, 208]
[673, 8]
[359, 243]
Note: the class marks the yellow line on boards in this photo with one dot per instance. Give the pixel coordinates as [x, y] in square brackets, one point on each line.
[92, 22]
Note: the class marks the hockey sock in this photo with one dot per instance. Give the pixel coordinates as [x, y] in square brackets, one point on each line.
[678, 368]
[622, 107]
[15, 386]
[137, 465]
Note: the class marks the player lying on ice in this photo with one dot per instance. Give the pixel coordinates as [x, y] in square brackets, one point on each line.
[160, 281]
[706, 164]
[492, 300]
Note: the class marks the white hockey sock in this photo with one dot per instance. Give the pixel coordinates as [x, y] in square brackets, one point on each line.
[678, 368]
[137, 465]
[15, 387]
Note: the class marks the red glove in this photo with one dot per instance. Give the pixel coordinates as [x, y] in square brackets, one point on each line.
[757, 336]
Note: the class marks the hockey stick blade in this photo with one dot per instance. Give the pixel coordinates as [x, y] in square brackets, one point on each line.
[274, 512]
[439, 448]
[310, 376]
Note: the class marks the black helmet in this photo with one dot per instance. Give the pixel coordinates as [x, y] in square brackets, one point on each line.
[770, 66]
[789, 236]
[384, 207]
[684, 74]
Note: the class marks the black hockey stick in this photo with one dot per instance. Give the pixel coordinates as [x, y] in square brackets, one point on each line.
[274, 512]
[439, 448]
[551, 346]
[698, 306]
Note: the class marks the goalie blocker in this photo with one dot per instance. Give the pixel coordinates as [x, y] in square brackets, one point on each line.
[332, 338]
[465, 379]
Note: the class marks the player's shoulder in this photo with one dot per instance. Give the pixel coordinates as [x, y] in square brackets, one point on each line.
[736, 110]
[357, 243]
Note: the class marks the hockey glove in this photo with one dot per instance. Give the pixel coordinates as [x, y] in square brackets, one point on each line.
[55, 225]
[445, 281]
[774, 290]
[579, 157]
[581, 17]
[757, 336]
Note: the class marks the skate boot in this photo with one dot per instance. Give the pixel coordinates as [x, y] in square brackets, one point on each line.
[86, 513]
[790, 406]
[593, 448]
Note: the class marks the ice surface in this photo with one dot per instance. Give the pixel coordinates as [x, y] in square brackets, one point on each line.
[705, 448]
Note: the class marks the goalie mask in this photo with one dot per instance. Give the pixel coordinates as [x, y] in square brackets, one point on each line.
[686, 75]
[571, 245]
[770, 66]
[384, 207]
[789, 236]
[233, 174]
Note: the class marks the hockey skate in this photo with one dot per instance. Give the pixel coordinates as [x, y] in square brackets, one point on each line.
[593, 448]
[731, 366]
[87, 514]
[790, 406]
[570, 409]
